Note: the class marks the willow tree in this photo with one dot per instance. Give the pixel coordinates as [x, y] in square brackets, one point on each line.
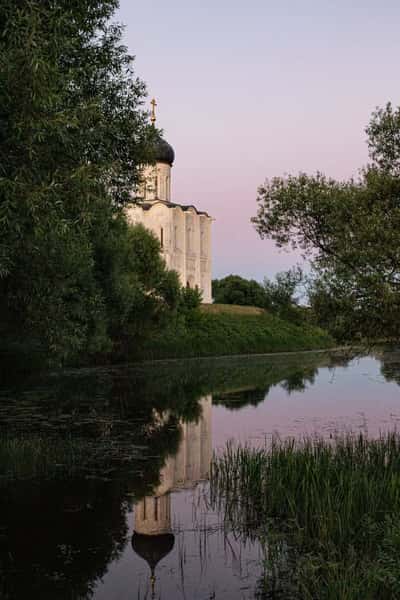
[73, 134]
[350, 232]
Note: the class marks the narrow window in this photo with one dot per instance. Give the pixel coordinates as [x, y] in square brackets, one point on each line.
[144, 509]
[176, 237]
[156, 509]
[162, 237]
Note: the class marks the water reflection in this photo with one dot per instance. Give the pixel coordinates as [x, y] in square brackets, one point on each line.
[134, 518]
[153, 538]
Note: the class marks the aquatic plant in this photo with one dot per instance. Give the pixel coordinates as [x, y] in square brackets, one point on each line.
[37, 456]
[327, 511]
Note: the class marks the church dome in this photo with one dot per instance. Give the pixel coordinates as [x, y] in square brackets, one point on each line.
[152, 548]
[163, 152]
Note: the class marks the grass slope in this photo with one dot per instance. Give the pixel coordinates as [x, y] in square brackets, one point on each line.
[210, 333]
[232, 309]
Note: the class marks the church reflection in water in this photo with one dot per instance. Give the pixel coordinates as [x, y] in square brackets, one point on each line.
[153, 538]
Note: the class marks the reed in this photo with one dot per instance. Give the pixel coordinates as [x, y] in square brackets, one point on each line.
[328, 508]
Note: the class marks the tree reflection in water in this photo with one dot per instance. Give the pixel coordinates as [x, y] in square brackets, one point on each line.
[151, 428]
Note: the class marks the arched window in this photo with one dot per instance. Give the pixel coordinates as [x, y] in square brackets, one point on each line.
[162, 237]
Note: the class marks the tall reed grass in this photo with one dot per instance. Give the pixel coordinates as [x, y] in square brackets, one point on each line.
[329, 512]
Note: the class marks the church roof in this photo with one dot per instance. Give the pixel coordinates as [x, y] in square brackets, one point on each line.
[184, 207]
[163, 152]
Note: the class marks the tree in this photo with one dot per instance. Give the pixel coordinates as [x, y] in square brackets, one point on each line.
[384, 138]
[73, 136]
[280, 294]
[350, 231]
[140, 293]
[234, 289]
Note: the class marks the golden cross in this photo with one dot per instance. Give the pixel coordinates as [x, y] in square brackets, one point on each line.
[153, 111]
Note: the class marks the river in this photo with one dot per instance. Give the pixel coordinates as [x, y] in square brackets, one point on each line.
[133, 518]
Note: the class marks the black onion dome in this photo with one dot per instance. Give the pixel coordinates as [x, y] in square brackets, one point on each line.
[163, 152]
[152, 548]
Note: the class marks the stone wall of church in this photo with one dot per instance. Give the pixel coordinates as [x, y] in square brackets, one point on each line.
[156, 183]
[185, 238]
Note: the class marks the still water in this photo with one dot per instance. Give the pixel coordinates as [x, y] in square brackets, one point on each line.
[134, 519]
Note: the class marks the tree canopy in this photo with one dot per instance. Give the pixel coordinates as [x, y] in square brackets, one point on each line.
[73, 135]
[234, 289]
[349, 230]
[276, 295]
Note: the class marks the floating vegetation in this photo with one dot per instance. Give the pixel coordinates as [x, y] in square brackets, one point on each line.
[328, 512]
[38, 457]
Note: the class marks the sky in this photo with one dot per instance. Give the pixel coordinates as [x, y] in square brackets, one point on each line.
[249, 90]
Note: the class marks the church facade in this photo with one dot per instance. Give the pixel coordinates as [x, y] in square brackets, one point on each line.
[184, 231]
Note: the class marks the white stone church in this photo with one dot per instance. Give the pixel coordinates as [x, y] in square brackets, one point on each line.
[183, 230]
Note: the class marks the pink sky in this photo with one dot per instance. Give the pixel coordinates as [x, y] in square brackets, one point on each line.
[252, 90]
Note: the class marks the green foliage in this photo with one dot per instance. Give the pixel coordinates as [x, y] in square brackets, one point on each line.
[140, 294]
[190, 300]
[72, 138]
[349, 231]
[329, 511]
[281, 291]
[276, 295]
[281, 294]
[234, 289]
[384, 138]
[331, 307]
[210, 334]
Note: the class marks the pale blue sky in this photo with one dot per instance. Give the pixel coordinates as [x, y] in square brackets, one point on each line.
[249, 90]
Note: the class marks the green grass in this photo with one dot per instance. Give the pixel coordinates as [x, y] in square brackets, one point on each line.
[233, 309]
[39, 457]
[228, 333]
[327, 513]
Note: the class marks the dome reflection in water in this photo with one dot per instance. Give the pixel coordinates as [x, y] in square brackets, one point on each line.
[153, 539]
[136, 518]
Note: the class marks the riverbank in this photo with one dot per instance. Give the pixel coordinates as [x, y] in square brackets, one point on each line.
[211, 333]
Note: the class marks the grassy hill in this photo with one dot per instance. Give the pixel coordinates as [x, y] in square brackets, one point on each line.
[231, 309]
[217, 330]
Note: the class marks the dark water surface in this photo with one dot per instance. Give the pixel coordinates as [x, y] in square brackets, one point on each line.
[132, 518]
